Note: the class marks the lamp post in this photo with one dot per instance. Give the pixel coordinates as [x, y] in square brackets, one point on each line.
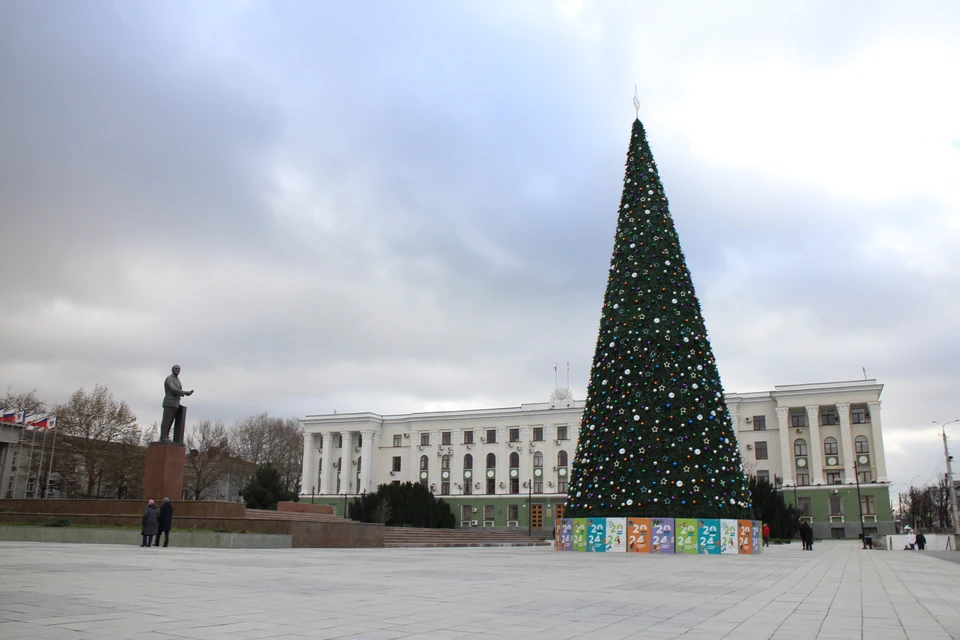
[530, 508]
[950, 488]
[900, 498]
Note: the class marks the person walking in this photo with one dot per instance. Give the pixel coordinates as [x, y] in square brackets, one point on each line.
[148, 523]
[766, 534]
[912, 540]
[921, 540]
[806, 536]
[164, 522]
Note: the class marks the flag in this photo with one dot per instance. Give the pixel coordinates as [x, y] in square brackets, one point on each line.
[554, 367]
[9, 415]
[40, 422]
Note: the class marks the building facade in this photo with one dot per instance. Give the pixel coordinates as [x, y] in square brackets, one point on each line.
[821, 444]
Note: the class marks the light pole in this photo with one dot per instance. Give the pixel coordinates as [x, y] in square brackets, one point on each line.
[900, 497]
[950, 488]
[863, 537]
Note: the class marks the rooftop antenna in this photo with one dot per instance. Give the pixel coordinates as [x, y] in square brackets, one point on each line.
[636, 101]
[556, 380]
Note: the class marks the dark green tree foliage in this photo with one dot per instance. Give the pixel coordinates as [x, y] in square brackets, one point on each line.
[409, 504]
[769, 506]
[266, 489]
[656, 437]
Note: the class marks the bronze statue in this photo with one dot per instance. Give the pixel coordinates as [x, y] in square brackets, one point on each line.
[173, 413]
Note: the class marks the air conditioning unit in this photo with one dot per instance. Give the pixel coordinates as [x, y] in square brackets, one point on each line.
[474, 510]
[834, 491]
[483, 438]
[748, 419]
[406, 435]
[393, 473]
[474, 523]
[749, 446]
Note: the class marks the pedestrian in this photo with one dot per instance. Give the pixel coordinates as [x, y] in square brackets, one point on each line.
[912, 540]
[921, 540]
[766, 534]
[148, 523]
[806, 536]
[164, 522]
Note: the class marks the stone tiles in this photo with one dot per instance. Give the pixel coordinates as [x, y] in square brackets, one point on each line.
[838, 591]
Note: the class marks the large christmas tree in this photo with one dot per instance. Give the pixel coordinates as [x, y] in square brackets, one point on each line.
[656, 438]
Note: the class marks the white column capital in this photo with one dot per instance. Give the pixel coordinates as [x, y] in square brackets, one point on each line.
[786, 452]
[873, 406]
[735, 420]
[843, 408]
[783, 412]
[813, 410]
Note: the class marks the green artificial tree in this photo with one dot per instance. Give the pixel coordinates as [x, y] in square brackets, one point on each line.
[656, 439]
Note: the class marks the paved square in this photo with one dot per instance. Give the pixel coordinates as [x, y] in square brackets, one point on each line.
[838, 591]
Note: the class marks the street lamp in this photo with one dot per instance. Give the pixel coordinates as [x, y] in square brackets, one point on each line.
[950, 488]
[863, 536]
[900, 497]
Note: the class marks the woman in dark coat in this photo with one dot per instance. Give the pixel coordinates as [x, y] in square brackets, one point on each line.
[921, 540]
[148, 523]
[164, 522]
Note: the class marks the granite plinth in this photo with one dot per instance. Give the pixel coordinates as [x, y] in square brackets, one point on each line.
[163, 477]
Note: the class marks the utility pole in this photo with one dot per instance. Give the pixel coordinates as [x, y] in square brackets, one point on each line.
[950, 488]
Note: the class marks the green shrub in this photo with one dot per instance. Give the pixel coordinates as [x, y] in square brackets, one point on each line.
[58, 522]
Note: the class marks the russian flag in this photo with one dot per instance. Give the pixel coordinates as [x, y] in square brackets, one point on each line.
[9, 415]
[40, 422]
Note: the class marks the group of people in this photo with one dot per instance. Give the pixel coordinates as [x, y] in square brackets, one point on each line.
[915, 541]
[806, 535]
[156, 521]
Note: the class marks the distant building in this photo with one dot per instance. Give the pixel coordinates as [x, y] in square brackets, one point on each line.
[509, 467]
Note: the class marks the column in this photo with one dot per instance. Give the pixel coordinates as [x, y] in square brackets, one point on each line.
[366, 457]
[456, 464]
[876, 451]
[786, 451]
[503, 461]
[816, 445]
[328, 482]
[413, 468]
[846, 442]
[346, 456]
[308, 483]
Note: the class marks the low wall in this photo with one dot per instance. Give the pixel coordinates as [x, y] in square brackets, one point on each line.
[345, 534]
[935, 542]
[202, 539]
[305, 507]
[181, 508]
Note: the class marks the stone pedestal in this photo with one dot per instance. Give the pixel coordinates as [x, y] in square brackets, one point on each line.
[164, 473]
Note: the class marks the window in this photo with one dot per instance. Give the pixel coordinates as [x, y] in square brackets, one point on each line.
[763, 474]
[798, 419]
[803, 479]
[397, 440]
[561, 485]
[513, 512]
[759, 423]
[760, 449]
[514, 435]
[491, 461]
[834, 477]
[395, 483]
[538, 459]
[467, 489]
[491, 435]
[468, 461]
[340, 441]
[868, 505]
[424, 463]
[836, 505]
[514, 460]
[803, 504]
[538, 434]
[445, 438]
[562, 433]
[425, 439]
[488, 512]
[491, 486]
[864, 477]
[561, 458]
[468, 437]
[514, 485]
[861, 445]
[360, 440]
[538, 486]
[830, 446]
[799, 447]
[396, 463]
[828, 417]
[444, 488]
[445, 462]
[836, 532]
[465, 512]
[858, 416]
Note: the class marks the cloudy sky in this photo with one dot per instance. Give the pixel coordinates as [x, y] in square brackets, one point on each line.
[410, 206]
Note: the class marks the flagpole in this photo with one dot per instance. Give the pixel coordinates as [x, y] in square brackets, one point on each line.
[556, 380]
[16, 474]
[26, 482]
[43, 444]
[568, 374]
[53, 447]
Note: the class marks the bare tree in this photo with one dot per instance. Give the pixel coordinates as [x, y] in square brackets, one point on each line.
[91, 423]
[150, 434]
[261, 439]
[27, 402]
[208, 457]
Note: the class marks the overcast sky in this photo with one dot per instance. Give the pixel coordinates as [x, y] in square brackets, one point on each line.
[408, 206]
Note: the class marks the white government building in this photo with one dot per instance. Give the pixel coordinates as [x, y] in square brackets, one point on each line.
[820, 443]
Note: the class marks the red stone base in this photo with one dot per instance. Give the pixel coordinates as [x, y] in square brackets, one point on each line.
[164, 474]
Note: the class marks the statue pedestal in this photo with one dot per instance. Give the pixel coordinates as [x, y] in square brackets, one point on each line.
[164, 473]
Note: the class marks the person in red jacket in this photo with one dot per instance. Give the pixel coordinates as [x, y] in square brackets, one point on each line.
[766, 534]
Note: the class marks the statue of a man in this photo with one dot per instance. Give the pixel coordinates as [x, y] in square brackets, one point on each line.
[171, 404]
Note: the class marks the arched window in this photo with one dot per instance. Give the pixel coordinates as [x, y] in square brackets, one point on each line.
[861, 444]
[538, 459]
[491, 461]
[445, 462]
[424, 463]
[799, 447]
[830, 446]
[562, 459]
[514, 460]
[468, 461]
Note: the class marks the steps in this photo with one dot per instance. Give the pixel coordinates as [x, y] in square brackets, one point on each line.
[398, 537]
[264, 514]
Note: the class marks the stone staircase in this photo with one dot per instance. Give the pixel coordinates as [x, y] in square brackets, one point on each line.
[264, 514]
[395, 537]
